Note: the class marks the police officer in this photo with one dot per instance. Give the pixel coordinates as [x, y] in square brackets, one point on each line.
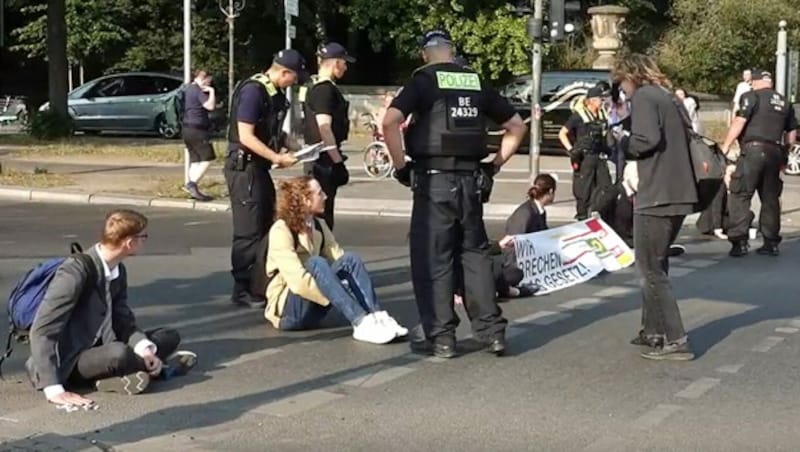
[584, 138]
[326, 119]
[765, 125]
[447, 141]
[255, 141]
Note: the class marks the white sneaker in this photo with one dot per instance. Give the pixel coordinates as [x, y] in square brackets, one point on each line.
[391, 323]
[720, 234]
[371, 330]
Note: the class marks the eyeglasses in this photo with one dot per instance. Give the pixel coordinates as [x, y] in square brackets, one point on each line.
[141, 236]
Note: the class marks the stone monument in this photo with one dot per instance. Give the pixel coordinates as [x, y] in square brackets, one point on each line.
[606, 33]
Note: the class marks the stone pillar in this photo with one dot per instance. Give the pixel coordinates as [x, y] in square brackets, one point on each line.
[606, 33]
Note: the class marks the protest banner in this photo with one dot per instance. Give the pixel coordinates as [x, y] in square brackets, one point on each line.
[571, 254]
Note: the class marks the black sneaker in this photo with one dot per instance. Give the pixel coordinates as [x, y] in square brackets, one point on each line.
[130, 384]
[739, 248]
[769, 250]
[644, 340]
[497, 347]
[670, 352]
[244, 298]
[676, 250]
[178, 364]
[438, 350]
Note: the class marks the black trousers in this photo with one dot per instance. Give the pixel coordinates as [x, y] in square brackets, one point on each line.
[592, 174]
[716, 214]
[758, 169]
[117, 358]
[252, 195]
[448, 233]
[506, 275]
[323, 173]
[652, 237]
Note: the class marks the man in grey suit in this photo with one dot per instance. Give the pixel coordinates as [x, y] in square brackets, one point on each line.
[90, 336]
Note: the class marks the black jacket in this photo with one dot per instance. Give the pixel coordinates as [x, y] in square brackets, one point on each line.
[67, 323]
[525, 220]
[660, 145]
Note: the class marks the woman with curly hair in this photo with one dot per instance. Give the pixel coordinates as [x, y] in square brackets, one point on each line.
[309, 273]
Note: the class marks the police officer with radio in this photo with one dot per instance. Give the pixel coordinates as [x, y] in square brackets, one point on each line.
[255, 142]
[765, 126]
[446, 142]
[326, 119]
[584, 138]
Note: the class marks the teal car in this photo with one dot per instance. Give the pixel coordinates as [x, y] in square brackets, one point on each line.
[127, 102]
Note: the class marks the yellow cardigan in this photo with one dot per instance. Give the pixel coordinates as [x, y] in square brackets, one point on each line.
[289, 262]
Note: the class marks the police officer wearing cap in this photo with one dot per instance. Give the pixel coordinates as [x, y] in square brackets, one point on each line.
[326, 119]
[446, 142]
[255, 142]
[584, 138]
[765, 126]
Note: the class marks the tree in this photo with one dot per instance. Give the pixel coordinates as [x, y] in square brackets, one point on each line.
[713, 41]
[57, 56]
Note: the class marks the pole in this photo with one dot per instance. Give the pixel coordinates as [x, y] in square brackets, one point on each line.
[187, 69]
[780, 65]
[287, 124]
[230, 54]
[535, 29]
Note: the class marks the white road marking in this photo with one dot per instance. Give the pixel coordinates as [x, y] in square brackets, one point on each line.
[632, 282]
[196, 223]
[655, 416]
[678, 272]
[543, 317]
[795, 323]
[730, 368]
[614, 291]
[297, 403]
[70, 236]
[247, 357]
[581, 303]
[211, 318]
[786, 330]
[698, 387]
[767, 344]
[8, 419]
[376, 376]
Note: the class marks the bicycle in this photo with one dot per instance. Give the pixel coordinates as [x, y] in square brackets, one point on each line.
[793, 161]
[377, 161]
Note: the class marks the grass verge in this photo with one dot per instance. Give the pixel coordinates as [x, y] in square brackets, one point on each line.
[172, 187]
[37, 179]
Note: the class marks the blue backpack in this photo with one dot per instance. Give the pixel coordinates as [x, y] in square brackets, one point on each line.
[27, 296]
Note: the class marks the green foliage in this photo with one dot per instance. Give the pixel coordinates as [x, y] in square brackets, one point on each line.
[49, 125]
[714, 40]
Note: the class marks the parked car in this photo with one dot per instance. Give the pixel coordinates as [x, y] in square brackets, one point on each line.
[559, 88]
[127, 102]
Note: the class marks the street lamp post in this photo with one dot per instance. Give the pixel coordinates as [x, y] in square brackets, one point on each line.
[231, 12]
[187, 69]
[780, 65]
[535, 30]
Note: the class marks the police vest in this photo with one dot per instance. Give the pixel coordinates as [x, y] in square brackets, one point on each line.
[596, 127]
[454, 125]
[340, 124]
[768, 121]
[268, 127]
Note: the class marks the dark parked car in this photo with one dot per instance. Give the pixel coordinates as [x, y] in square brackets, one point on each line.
[559, 89]
[128, 102]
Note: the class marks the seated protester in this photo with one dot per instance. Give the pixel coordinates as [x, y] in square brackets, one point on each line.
[90, 336]
[309, 273]
[529, 217]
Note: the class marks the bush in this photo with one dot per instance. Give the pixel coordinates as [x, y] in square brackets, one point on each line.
[49, 125]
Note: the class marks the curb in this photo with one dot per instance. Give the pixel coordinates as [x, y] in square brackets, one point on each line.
[344, 206]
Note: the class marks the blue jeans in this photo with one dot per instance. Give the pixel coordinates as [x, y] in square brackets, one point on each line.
[354, 301]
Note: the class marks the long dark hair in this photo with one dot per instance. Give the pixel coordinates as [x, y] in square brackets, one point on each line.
[542, 185]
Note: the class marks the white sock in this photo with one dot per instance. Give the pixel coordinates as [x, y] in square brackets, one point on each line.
[197, 170]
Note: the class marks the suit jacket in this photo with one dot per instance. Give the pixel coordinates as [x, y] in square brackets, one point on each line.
[286, 261]
[69, 319]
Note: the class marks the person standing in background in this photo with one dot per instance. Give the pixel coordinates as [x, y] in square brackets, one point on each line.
[741, 88]
[199, 99]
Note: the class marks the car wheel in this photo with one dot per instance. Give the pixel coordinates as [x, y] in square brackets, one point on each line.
[165, 130]
[793, 165]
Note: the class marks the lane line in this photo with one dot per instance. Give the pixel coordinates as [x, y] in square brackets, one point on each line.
[786, 330]
[655, 416]
[767, 344]
[730, 368]
[581, 303]
[698, 387]
[247, 357]
[614, 291]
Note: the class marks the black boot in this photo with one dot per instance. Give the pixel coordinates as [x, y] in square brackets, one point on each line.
[739, 248]
[769, 249]
[242, 297]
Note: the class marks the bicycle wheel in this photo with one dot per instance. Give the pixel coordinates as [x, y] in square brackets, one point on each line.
[377, 162]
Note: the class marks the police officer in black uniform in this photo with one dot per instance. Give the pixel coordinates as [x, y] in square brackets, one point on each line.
[584, 138]
[326, 119]
[765, 125]
[447, 141]
[255, 140]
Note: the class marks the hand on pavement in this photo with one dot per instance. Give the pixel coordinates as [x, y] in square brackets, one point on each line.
[70, 398]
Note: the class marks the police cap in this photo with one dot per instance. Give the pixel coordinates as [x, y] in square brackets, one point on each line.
[436, 38]
[334, 50]
[292, 60]
[761, 75]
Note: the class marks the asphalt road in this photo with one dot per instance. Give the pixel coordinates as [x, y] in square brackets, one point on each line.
[570, 383]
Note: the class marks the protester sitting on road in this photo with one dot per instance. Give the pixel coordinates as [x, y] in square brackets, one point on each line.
[309, 273]
[82, 336]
